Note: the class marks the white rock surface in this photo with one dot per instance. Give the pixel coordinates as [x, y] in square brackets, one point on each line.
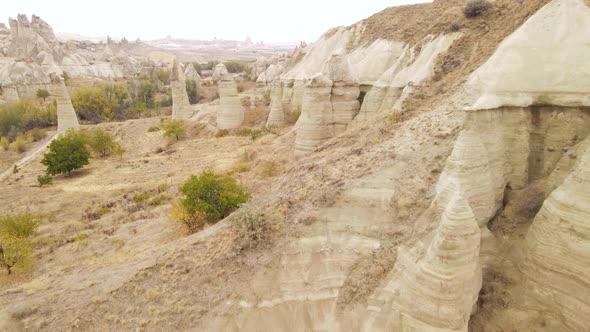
[181, 107]
[230, 113]
[544, 62]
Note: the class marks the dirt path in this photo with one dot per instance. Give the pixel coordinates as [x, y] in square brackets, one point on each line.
[28, 158]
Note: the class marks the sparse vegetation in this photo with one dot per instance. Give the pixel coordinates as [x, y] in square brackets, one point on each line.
[476, 8]
[15, 239]
[269, 169]
[140, 198]
[159, 199]
[208, 197]
[251, 226]
[236, 67]
[4, 144]
[174, 128]
[66, 153]
[103, 102]
[153, 129]
[191, 90]
[294, 116]
[19, 145]
[44, 180]
[241, 168]
[222, 133]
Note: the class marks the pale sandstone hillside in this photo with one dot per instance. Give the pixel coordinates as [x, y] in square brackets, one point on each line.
[436, 180]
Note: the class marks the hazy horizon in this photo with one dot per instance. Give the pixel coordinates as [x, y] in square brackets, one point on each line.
[222, 19]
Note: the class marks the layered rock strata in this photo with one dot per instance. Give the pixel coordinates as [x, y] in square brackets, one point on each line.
[439, 291]
[230, 113]
[276, 117]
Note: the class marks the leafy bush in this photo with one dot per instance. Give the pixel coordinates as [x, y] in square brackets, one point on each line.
[159, 199]
[19, 145]
[251, 227]
[119, 150]
[476, 7]
[211, 196]
[100, 103]
[192, 222]
[4, 144]
[163, 75]
[36, 134]
[174, 128]
[101, 142]
[235, 67]
[19, 117]
[191, 90]
[66, 153]
[153, 129]
[44, 180]
[43, 94]
[19, 225]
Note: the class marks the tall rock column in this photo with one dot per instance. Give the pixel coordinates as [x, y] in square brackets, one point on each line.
[345, 93]
[181, 107]
[439, 291]
[315, 122]
[276, 117]
[66, 115]
[231, 112]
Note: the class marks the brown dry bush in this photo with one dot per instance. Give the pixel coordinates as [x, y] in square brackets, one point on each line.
[476, 7]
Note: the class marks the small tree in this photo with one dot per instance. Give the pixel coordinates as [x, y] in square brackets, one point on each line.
[66, 153]
[15, 239]
[119, 150]
[4, 144]
[174, 128]
[43, 94]
[101, 142]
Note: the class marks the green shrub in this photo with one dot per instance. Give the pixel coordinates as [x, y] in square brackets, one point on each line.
[66, 153]
[140, 198]
[476, 7]
[15, 239]
[44, 180]
[192, 92]
[43, 94]
[222, 133]
[23, 225]
[4, 144]
[119, 150]
[256, 134]
[240, 88]
[241, 168]
[101, 142]
[159, 199]
[100, 103]
[36, 134]
[214, 196]
[102, 211]
[19, 145]
[153, 129]
[245, 132]
[174, 128]
[162, 187]
[19, 117]
[251, 228]
[163, 75]
[235, 66]
[197, 67]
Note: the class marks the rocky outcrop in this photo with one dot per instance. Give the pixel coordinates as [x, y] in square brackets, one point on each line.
[513, 76]
[276, 117]
[219, 72]
[440, 290]
[557, 267]
[231, 112]
[315, 122]
[190, 73]
[181, 107]
[30, 38]
[273, 72]
[66, 115]
[22, 80]
[345, 93]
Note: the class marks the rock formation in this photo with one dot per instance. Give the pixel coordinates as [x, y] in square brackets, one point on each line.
[30, 38]
[231, 112]
[439, 291]
[219, 72]
[557, 266]
[181, 107]
[190, 73]
[276, 117]
[273, 72]
[315, 122]
[345, 93]
[66, 115]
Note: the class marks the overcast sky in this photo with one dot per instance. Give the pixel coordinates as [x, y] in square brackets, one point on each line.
[262, 20]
